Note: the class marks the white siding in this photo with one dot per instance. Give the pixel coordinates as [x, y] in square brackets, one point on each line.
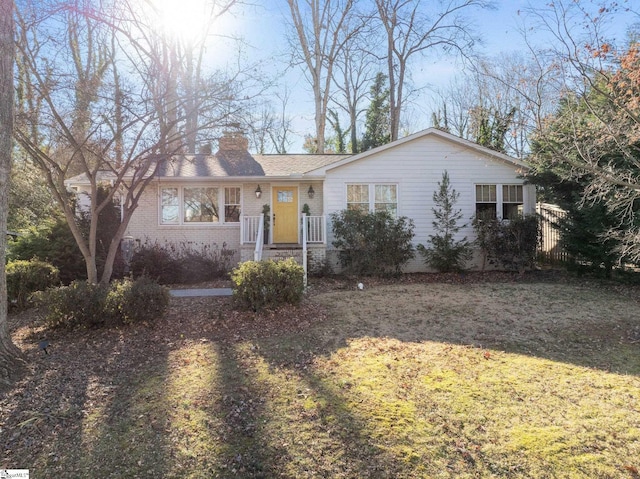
[416, 167]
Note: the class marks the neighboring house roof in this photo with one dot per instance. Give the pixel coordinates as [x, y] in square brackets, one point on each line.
[424, 133]
[81, 179]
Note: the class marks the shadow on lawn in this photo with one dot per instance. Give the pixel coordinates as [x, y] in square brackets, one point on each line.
[109, 404]
[73, 416]
[571, 324]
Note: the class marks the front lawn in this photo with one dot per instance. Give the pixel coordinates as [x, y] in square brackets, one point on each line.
[467, 379]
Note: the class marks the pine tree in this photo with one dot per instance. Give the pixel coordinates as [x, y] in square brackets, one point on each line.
[445, 254]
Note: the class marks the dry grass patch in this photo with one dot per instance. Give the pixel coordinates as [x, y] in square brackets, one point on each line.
[410, 380]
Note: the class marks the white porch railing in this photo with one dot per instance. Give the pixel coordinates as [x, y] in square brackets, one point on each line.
[249, 228]
[252, 231]
[315, 229]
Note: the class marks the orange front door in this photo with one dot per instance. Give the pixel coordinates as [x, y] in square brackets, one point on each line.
[285, 214]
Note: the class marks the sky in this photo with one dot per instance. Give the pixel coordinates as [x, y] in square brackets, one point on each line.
[261, 27]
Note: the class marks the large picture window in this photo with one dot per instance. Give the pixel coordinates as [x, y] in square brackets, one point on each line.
[200, 204]
[369, 198]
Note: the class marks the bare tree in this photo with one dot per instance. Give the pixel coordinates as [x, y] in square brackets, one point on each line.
[11, 363]
[270, 130]
[511, 93]
[108, 107]
[322, 28]
[355, 69]
[412, 28]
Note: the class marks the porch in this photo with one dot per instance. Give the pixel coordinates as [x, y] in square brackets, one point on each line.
[256, 241]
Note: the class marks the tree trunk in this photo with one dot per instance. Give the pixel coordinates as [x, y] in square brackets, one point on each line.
[12, 365]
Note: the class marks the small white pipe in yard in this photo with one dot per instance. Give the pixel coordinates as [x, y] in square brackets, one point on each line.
[304, 247]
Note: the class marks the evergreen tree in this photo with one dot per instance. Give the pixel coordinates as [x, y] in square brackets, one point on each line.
[377, 123]
[491, 128]
[445, 254]
[592, 228]
[336, 143]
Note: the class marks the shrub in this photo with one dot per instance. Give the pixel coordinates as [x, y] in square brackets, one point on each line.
[155, 262]
[372, 243]
[136, 301]
[79, 304]
[444, 253]
[27, 277]
[51, 242]
[182, 263]
[267, 284]
[511, 244]
[84, 305]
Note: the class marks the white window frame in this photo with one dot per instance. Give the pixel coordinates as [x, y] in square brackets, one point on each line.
[510, 201]
[225, 204]
[183, 206]
[221, 202]
[500, 201]
[371, 188]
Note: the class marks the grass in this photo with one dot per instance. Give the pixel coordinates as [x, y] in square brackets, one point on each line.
[488, 380]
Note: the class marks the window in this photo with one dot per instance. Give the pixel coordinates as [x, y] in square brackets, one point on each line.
[358, 198]
[232, 205]
[486, 202]
[385, 198]
[200, 204]
[506, 199]
[285, 196]
[512, 202]
[169, 206]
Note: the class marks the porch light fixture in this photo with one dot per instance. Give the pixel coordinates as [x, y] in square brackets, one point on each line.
[311, 192]
[258, 192]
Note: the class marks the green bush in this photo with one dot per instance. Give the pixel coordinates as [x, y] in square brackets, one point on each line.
[136, 301]
[372, 243]
[512, 244]
[27, 277]
[52, 242]
[267, 284]
[79, 304]
[84, 305]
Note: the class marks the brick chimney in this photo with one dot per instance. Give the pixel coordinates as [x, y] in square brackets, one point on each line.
[233, 154]
[233, 141]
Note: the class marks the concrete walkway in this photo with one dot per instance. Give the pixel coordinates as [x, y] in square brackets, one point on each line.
[192, 293]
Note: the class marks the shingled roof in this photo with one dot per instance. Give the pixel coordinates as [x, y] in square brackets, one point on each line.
[233, 160]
